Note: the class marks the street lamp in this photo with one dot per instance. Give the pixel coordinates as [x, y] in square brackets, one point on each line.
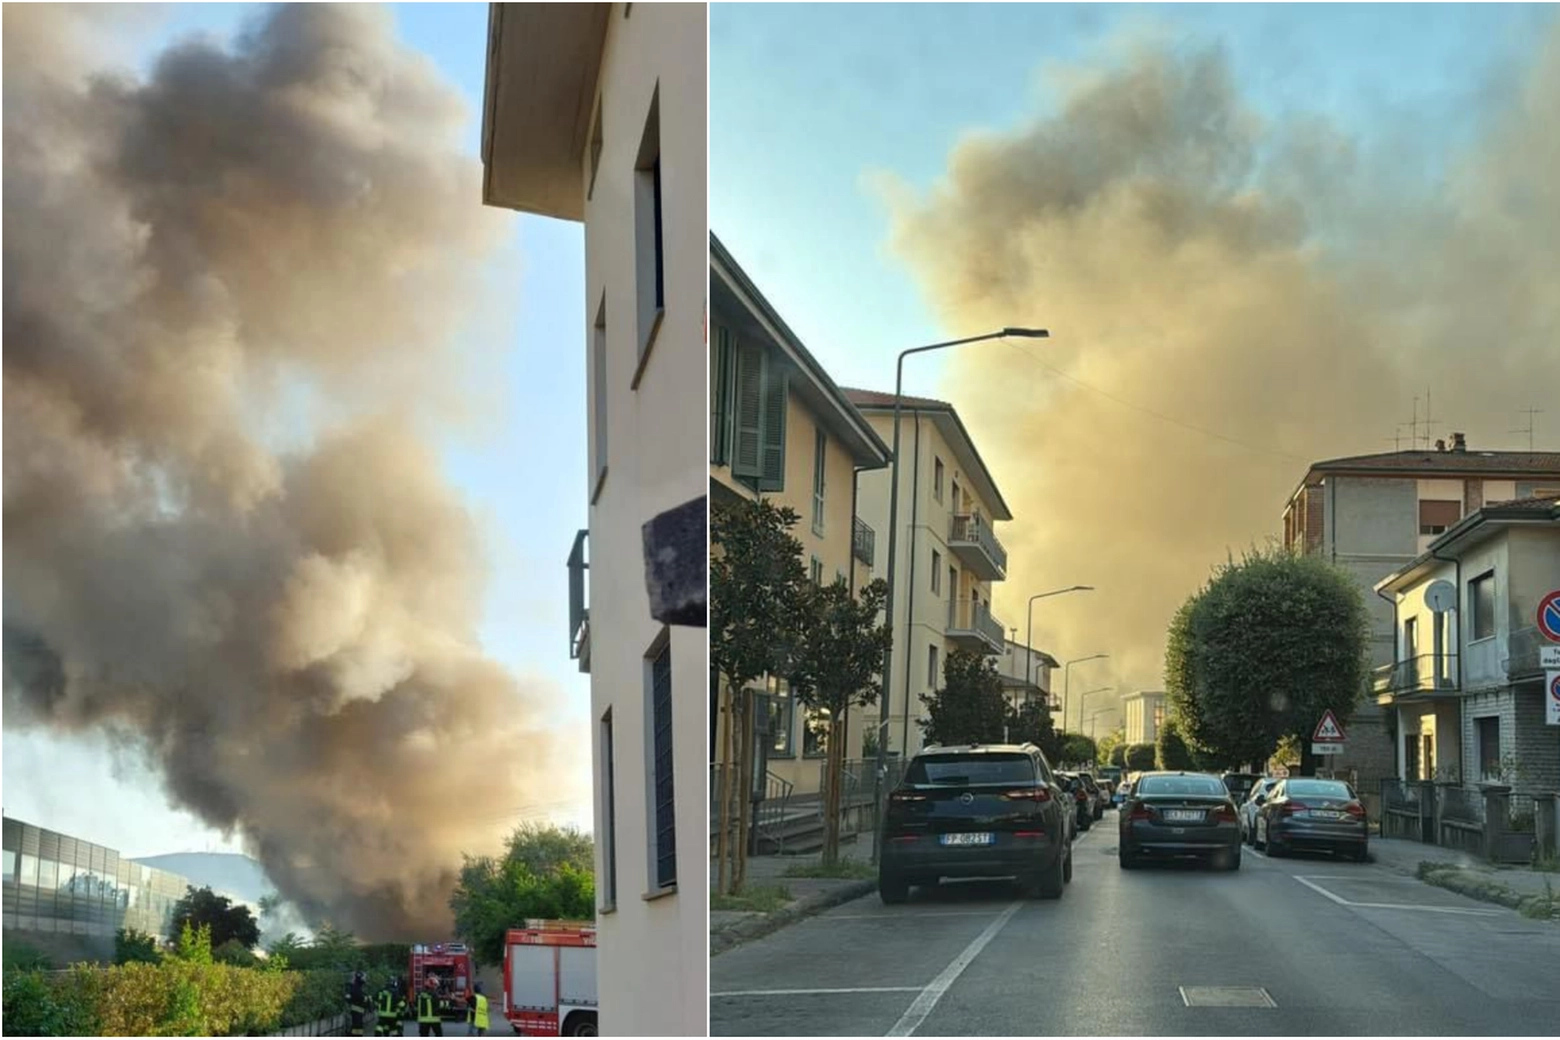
[1097, 713]
[1029, 635]
[1066, 683]
[893, 523]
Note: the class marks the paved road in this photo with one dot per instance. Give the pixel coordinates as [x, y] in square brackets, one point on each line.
[1339, 948]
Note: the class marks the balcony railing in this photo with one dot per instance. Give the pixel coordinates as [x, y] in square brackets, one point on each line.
[1522, 658]
[1419, 674]
[863, 542]
[971, 538]
[972, 621]
[579, 610]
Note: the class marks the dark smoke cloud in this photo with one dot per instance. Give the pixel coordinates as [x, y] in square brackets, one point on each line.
[1276, 283]
[230, 294]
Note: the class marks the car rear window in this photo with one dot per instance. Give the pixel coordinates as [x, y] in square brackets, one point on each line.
[985, 768]
[1320, 789]
[1195, 785]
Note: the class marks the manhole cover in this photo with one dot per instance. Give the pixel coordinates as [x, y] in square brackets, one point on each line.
[1226, 996]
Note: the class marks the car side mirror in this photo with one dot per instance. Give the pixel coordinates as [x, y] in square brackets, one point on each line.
[1261, 798]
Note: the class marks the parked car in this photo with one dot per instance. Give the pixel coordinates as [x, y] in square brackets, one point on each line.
[1253, 803]
[1240, 785]
[1078, 796]
[1097, 796]
[978, 811]
[1309, 813]
[1179, 814]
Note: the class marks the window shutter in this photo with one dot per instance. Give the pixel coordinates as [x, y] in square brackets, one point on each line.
[747, 457]
[720, 397]
[772, 477]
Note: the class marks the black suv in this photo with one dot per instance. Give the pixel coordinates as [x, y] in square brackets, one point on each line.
[992, 810]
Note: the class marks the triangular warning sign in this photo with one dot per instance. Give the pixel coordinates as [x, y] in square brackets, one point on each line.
[1328, 730]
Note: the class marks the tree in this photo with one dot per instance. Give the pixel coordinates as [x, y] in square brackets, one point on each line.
[194, 943]
[1112, 747]
[1171, 751]
[201, 907]
[546, 871]
[134, 947]
[287, 946]
[970, 708]
[757, 599]
[1261, 651]
[1030, 723]
[1077, 749]
[233, 952]
[838, 661]
[1139, 757]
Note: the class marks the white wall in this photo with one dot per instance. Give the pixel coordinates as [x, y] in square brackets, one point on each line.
[653, 953]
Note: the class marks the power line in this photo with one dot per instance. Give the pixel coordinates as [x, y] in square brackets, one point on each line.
[1157, 415]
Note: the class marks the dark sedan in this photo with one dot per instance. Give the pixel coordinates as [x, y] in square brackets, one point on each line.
[1307, 813]
[1179, 814]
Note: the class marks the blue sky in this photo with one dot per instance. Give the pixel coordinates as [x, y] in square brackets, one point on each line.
[808, 101]
[528, 502]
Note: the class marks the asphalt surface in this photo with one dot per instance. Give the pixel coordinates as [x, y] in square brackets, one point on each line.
[1337, 948]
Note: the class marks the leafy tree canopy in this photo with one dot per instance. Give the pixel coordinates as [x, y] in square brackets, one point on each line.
[839, 657]
[758, 590]
[1261, 651]
[1171, 751]
[547, 871]
[970, 708]
[134, 947]
[201, 907]
[1139, 757]
[1030, 723]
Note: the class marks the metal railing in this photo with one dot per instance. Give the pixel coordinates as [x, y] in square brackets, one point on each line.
[1521, 658]
[579, 610]
[974, 616]
[863, 541]
[1462, 804]
[970, 528]
[770, 817]
[1417, 674]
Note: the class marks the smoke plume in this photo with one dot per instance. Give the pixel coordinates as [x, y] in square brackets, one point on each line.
[1274, 291]
[231, 292]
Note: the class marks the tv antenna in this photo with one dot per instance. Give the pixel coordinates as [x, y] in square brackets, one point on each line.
[1429, 422]
[1531, 424]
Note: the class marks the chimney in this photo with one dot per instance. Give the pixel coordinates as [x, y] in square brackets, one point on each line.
[1440, 445]
[1458, 443]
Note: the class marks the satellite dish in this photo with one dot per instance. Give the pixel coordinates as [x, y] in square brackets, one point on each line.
[1441, 597]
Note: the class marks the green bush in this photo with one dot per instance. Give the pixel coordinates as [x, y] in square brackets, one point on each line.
[23, 956]
[35, 1006]
[133, 947]
[1140, 758]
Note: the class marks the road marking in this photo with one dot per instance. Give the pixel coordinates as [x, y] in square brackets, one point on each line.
[1226, 996]
[814, 992]
[911, 1020]
[1469, 911]
[902, 917]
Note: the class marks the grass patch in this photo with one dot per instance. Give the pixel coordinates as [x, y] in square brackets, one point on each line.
[849, 869]
[1453, 878]
[756, 898]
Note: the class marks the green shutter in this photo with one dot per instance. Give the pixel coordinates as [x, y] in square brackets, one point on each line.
[721, 365]
[773, 431]
[747, 456]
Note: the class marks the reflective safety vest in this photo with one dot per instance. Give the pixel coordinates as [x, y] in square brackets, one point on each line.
[427, 1009]
[384, 1004]
[479, 1012]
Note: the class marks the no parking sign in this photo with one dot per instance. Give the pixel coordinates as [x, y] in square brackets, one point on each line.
[1552, 698]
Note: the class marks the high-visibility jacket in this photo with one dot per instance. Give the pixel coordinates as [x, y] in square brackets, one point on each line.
[477, 1014]
[384, 1004]
[427, 1007]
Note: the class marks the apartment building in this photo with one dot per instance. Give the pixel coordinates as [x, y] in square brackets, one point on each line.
[1464, 696]
[1375, 514]
[1026, 674]
[949, 554]
[1142, 714]
[596, 113]
[782, 429]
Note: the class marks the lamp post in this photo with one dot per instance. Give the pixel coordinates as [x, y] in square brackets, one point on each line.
[1096, 714]
[1029, 634]
[893, 532]
[1067, 680]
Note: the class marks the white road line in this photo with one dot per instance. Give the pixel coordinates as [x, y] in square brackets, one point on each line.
[903, 917]
[814, 992]
[911, 1020]
[1318, 888]
[1469, 911]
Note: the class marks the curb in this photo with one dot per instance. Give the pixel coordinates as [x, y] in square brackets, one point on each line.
[756, 928]
[1487, 890]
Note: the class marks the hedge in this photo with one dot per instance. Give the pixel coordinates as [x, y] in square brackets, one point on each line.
[173, 998]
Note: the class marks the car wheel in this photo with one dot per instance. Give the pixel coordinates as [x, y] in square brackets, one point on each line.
[1051, 879]
[1275, 848]
[1232, 859]
[892, 888]
[1067, 867]
[1127, 860]
[1258, 840]
[1362, 854]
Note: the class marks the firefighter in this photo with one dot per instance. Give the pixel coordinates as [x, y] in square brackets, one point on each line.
[428, 1021]
[357, 1002]
[477, 1013]
[388, 1009]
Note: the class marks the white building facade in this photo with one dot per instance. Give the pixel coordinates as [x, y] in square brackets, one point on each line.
[1142, 715]
[597, 113]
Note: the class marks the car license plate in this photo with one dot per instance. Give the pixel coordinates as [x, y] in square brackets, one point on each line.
[1327, 814]
[967, 839]
[1184, 815]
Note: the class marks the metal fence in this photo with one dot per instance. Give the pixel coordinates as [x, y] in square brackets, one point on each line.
[1521, 813]
[1462, 804]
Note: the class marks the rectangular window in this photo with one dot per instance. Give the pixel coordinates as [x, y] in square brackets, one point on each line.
[650, 285]
[596, 141]
[815, 733]
[1489, 747]
[723, 365]
[820, 453]
[608, 815]
[1411, 757]
[29, 873]
[663, 807]
[1481, 597]
[760, 400]
[955, 504]
[1436, 516]
[782, 708]
[10, 864]
[937, 478]
[931, 667]
[936, 573]
[816, 572]
[598, 400]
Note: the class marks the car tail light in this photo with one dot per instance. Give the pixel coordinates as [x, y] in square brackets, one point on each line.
[903, 838]
[1225, 813]
[1029, 834]
[906, 796]
[1290, 808]
[1082, 795]
[1029, 794]
[1139, 811]
[1355, 809]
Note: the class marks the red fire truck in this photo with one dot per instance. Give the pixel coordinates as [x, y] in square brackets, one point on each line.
[450, 965]
[550, 978]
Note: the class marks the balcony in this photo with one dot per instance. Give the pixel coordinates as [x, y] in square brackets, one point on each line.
[970, 538]
[1521, 658]
[972, 627]
[1415, 679]
[579, 611]
[863, 542]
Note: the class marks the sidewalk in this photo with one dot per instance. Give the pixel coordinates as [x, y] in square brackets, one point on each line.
[807, 895]
[1521, 888]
